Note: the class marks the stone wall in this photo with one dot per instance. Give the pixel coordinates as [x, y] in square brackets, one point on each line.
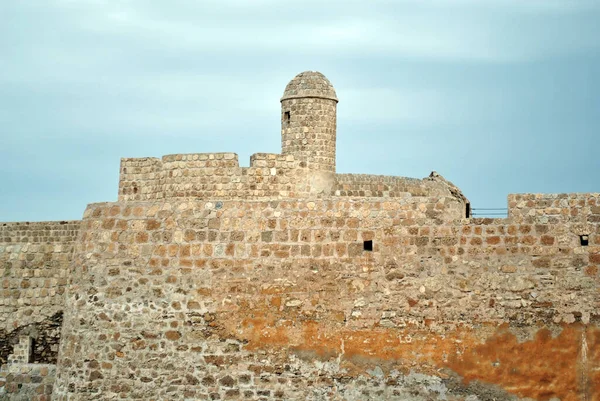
[270, 176]
[377, 186]
[284, 300]
[555, 208]
[210, 175]
[368, 185]
[139, 178]
[26, 382]
[284, 280]
[34, 258]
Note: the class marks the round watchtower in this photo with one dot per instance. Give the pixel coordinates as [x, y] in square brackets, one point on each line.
[308, 120]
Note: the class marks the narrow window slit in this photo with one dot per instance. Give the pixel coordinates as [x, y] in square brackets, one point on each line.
[32, 346]
[468, 214]
[368, 246]
[287, 116]
[584, 240]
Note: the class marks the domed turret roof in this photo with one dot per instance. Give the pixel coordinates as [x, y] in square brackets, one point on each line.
[309, 84]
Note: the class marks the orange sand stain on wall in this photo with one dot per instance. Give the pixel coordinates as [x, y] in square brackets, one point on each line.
[540, 367]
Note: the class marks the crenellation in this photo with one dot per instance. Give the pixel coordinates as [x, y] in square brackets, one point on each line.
[555, 208]
[138, 178]
[287, 280]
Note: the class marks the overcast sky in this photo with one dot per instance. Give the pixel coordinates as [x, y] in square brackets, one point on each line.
[498, 96]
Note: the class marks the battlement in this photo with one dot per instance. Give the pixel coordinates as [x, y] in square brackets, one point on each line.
[39, 232]
[389, 186]
[305, 167]
[219, 176]
[212, 175]
[581, 208]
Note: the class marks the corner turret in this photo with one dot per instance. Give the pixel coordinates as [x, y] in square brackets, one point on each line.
[308, 120]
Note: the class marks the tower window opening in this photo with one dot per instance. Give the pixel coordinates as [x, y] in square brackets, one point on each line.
[468, 211]
[31, 351]
[368, 246]
[286, 116]
[584, 240]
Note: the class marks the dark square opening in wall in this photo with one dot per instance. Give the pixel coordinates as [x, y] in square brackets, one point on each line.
[287, 116]
[368, 246]
[584, 240]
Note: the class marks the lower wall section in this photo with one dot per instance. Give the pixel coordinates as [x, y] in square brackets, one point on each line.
[34, 268]
[26, 382]
[34, 265]
[221, 356]
[352, 299]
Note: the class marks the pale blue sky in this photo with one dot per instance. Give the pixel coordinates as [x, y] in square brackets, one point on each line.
[498, 96]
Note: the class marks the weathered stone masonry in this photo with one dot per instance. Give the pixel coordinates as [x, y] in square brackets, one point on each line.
[35, 259]
[285, 280]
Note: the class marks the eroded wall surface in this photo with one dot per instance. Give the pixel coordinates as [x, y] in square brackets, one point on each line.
[35, 259]
[231, 299]
[24, 381]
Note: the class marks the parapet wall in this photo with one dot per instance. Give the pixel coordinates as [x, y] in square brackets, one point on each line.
[286, 299]
[390, 186]
[35, 259]
[378, 186]
[270, 176]
[555, 208]
[212, 175]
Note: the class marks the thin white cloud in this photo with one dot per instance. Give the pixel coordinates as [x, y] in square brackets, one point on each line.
[111, 71]
[466, 30]
[385, 105]
[420, 107]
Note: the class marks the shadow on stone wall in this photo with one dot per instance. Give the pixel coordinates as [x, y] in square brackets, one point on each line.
[45, 335]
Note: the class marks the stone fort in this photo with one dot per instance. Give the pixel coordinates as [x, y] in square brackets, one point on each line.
[285, 280]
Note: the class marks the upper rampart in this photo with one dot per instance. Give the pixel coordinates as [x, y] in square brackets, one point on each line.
[555, 208]
[305, 167]
[210, 175]
[219, 175]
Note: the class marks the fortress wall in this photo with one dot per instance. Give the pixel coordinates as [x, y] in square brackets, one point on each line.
[218, 175]
[389, 186]
[270, 175]
[214, 175]
[554, 208]
[27, 382]
[378, 185]
[35, 261]
[382, 186]
[138, 178]
[279, 299]
[195, 175]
